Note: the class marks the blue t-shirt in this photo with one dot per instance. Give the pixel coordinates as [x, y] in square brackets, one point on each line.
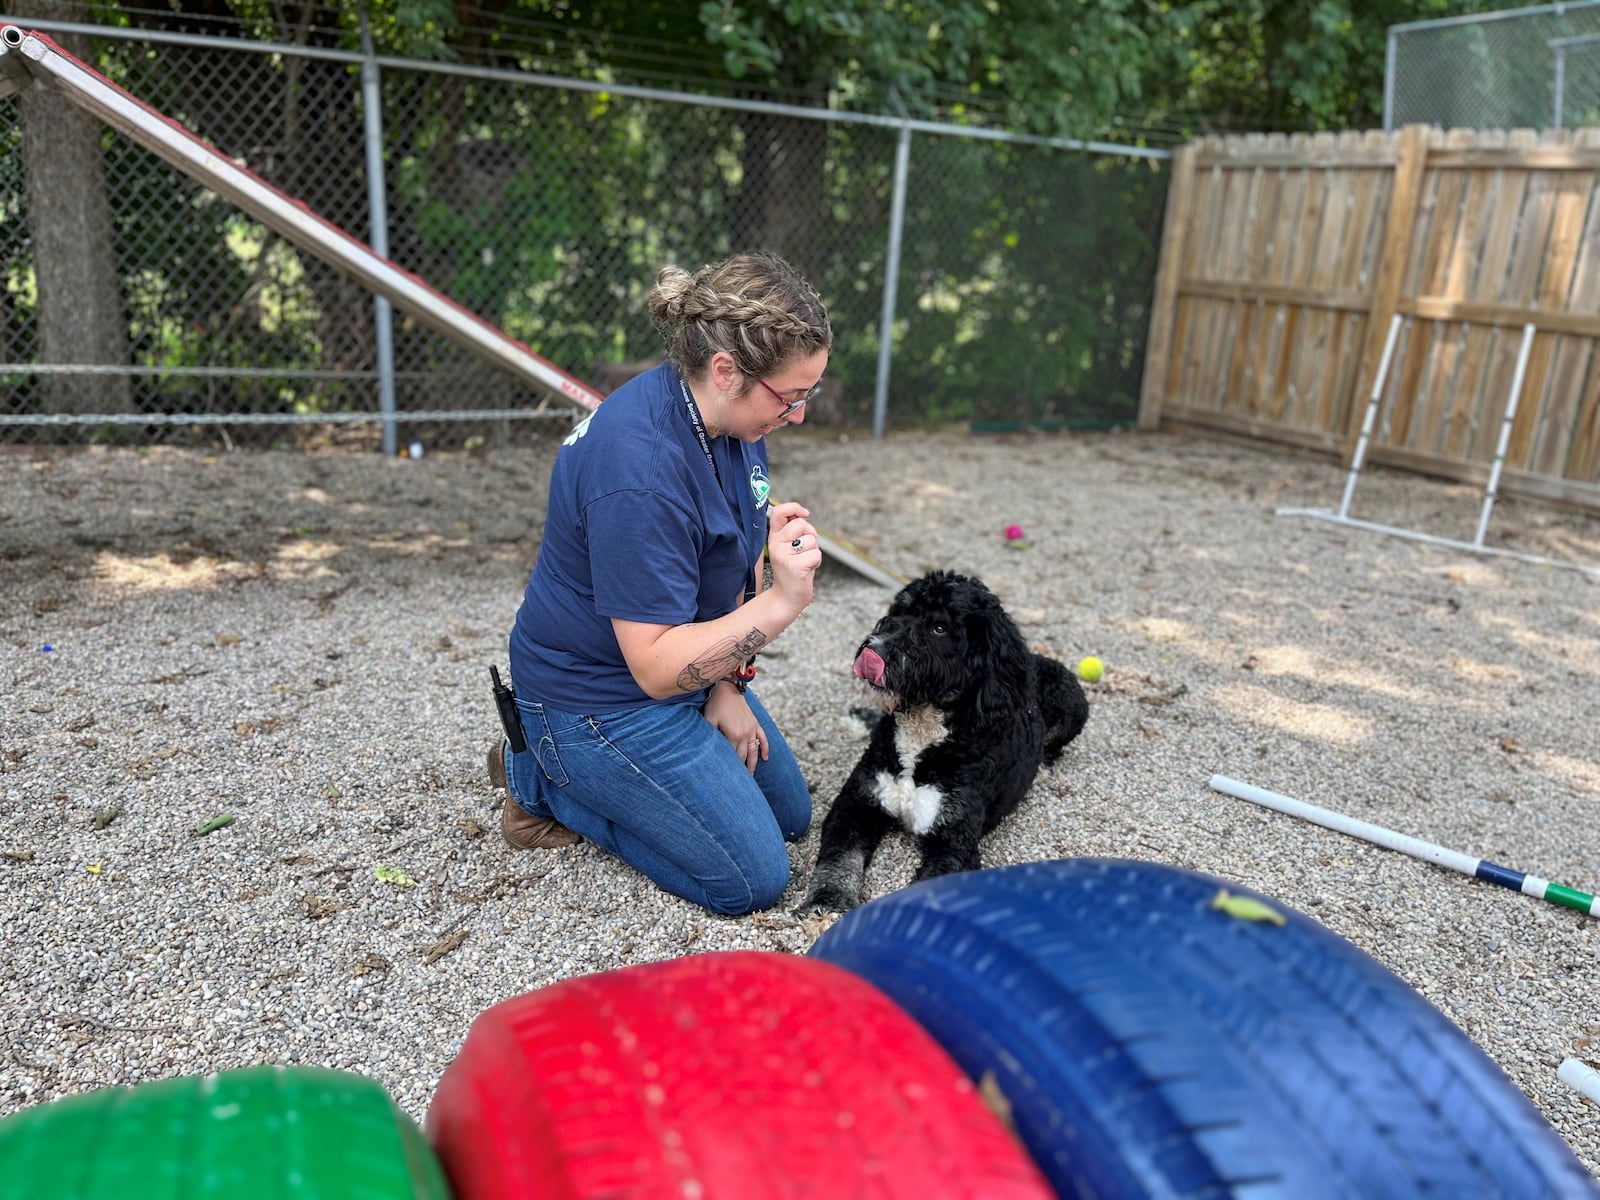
[640, 527]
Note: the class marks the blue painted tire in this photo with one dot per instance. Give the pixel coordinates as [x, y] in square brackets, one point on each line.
[1150, 1044]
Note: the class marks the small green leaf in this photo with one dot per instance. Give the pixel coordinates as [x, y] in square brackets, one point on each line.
[393, 875]
[216, 823]
[1246, 908]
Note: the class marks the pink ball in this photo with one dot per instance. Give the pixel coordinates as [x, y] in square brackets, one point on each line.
[1013, 532]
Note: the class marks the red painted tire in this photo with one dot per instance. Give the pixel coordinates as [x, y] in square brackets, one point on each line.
[741, 1074]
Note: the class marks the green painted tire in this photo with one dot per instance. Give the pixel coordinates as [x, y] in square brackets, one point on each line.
[306, 1133]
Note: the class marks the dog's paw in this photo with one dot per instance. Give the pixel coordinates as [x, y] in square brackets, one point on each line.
[934, 868]
[826, 900]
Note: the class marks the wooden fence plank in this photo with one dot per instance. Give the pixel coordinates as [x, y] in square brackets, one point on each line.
[1433, 250]
[1411, 152]
[1462, 413]
[1532, 238]
[1225, 264]
[1489, 287]
[1411, 356]
[1251, 316]
[1559, 414]
[1551, 321]
[1499, 370]
[1528, 261]
[1269, 348]
[1431, 241]
[1470, 342]
[1502, 274]
[1567, 199]
[1583, 464]
[1204, 315]
[1466, 248]
[1188, 331]
[1527, 156]
[1353, 301]
[1291, 208]
[1317, 326]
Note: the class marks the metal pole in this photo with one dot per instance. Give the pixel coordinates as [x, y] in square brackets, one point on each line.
[1372, 414]
[891, 279]
[1559, 86]
[1388, 83]
[1505, 434]
[377, 205]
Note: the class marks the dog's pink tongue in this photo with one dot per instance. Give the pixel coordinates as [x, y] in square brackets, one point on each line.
[869, 666]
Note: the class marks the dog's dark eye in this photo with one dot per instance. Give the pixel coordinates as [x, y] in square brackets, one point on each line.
[939, 629]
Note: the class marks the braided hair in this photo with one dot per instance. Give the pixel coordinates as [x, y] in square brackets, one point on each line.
[755, 307]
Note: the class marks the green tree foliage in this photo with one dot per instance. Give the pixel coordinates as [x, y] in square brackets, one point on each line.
[1078, 67]
[1290, 64]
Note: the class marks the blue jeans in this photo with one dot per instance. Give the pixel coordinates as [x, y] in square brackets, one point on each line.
[661, 789]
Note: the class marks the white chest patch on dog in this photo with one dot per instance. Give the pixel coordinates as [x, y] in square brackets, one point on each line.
[914, 805]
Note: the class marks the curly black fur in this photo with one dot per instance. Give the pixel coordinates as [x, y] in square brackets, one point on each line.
[970, 715]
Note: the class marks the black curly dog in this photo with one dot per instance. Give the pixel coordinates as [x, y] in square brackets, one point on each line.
[970, 715]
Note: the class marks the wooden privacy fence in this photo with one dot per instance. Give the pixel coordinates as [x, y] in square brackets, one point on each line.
[1285, 259]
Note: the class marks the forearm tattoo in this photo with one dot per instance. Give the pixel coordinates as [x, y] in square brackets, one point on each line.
[721, 661]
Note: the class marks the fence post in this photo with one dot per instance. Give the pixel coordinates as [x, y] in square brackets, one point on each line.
[891, 277]
[1169, 271]
[377, 204]
[1411, 157]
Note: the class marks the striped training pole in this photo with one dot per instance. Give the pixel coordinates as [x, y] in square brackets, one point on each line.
[1530, 885]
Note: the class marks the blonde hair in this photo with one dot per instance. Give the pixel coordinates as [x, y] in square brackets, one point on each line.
[755, 307]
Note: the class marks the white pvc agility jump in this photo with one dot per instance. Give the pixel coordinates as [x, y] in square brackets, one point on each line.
[27, 58]
[1369, 421]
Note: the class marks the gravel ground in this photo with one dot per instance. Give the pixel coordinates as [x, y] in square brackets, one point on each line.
[302, 642]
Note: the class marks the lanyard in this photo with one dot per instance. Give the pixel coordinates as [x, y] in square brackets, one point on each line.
[751, 587]
[699, 429]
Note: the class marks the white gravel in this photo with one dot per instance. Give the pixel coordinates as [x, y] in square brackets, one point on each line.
[302, 642]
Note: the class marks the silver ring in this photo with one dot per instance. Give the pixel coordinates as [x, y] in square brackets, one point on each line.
[797, 544]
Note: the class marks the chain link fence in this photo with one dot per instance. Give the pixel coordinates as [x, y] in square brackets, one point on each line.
[1025, 268]
[1525, 68]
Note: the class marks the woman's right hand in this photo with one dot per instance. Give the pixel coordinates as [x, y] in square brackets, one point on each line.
[793, 552]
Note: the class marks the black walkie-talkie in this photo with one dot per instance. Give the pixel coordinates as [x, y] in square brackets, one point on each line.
[510, 720]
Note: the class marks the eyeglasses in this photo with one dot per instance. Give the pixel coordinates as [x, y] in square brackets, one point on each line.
[790, 405]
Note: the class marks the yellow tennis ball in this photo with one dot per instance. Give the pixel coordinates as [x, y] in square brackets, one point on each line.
[1091, 669]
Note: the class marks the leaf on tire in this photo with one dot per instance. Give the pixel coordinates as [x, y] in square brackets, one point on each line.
[1246, 908]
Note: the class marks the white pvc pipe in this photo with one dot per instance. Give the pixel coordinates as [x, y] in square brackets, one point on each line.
[1581, 1076]
[1323, 514]
[1505, 433]
[1370, 419]
[1339, 823]
[44, 61]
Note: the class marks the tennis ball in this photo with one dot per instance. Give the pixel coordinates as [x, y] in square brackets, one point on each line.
[1091, 669]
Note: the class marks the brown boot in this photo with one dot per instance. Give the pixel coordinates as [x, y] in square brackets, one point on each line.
[523, 830]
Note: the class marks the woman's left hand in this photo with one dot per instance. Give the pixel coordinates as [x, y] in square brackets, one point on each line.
[727, 711]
